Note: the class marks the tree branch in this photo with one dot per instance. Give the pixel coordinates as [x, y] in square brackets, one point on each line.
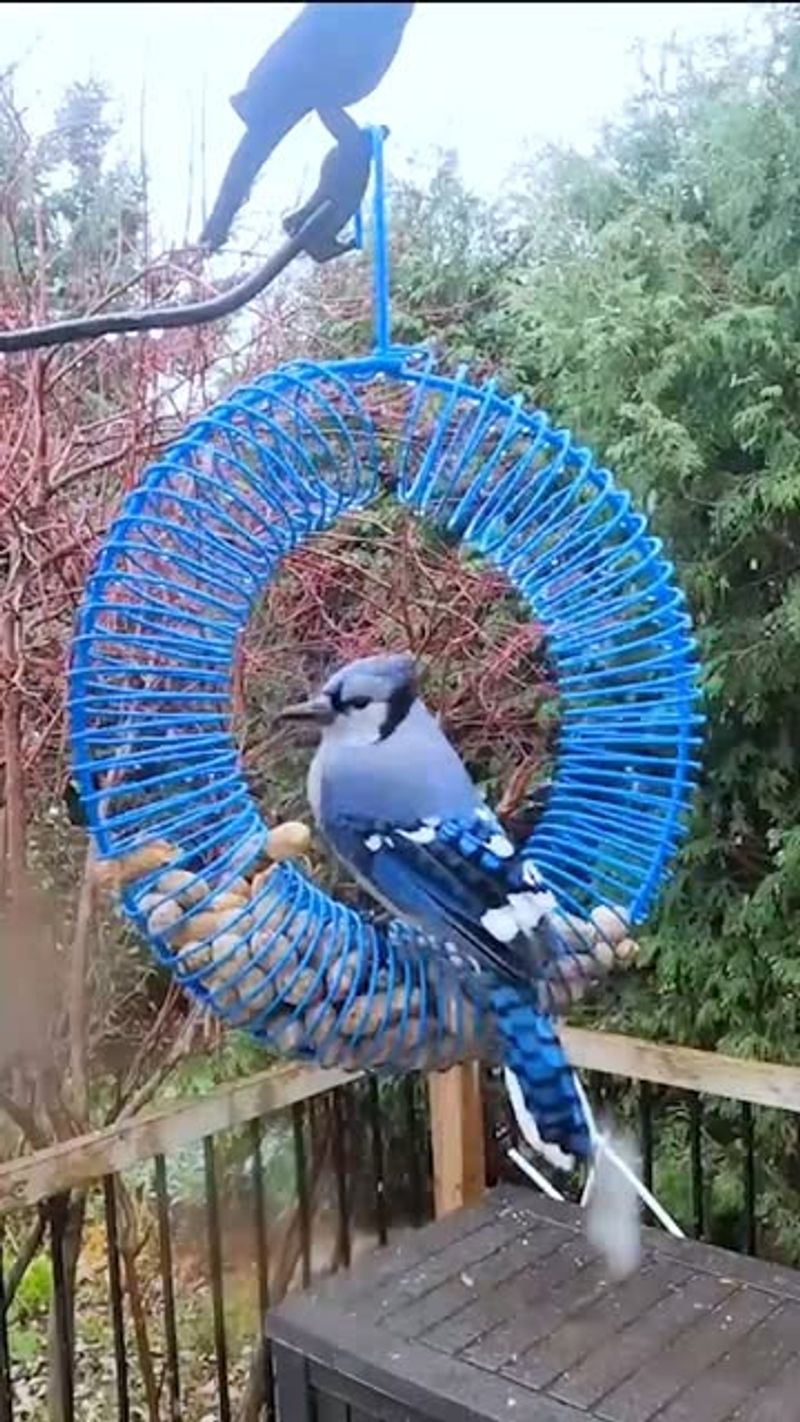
[77, 990]
[25, 1257]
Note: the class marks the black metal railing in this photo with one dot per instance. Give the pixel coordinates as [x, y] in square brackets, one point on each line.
[357, 1160]
[343, 1146]
[739, 1152]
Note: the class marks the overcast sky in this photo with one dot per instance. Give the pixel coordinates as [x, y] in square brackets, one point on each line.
[483, 78]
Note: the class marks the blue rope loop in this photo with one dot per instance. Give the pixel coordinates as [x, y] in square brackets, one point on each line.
[189, 556]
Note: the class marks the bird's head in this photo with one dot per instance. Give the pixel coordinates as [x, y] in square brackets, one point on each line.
[362, 703]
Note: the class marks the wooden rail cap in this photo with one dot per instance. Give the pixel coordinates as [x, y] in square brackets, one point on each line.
[86, 1158]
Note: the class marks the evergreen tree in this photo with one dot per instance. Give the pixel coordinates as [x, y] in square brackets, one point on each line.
[661, 320]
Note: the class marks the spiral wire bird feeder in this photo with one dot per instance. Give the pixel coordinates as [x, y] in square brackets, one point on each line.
[181, 570]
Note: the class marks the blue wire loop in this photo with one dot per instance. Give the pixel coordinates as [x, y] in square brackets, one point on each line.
[184, 564]
[380, 274]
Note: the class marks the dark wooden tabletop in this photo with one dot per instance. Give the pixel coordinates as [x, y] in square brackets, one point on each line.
[505, 1312]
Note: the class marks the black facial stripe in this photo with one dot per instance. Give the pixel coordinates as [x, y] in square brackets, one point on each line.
[352, 703]
[398, 707]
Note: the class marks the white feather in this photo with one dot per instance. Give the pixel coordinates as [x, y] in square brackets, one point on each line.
[501, 846]
[613, 1225]
[553, 1154]
[541, 1181]
[530, 908]
[501, 923]
[425, 835]
[612, 1191]
[611, 1199]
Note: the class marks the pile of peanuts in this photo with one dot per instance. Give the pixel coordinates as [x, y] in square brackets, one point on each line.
[308, 989]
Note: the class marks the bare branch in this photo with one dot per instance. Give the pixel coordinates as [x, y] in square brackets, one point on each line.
[78, 988]
[27, 1253]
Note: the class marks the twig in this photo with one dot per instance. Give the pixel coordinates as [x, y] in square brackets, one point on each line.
[25, 1257]
[129, 1248]
[77, 989]
[178, 1049]
[151, 1037]
[24, 1121]
[15, 789]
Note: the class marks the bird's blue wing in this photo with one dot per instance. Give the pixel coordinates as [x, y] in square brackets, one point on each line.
[460, 882]
[466, 885]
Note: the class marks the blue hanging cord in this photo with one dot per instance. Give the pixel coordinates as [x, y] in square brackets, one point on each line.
[380, 237]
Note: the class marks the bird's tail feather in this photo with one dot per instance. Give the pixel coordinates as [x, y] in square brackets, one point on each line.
[613, 1190]
[532, 1051]
[549, 1151]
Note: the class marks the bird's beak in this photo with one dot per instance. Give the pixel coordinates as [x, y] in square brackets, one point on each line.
[318, 711]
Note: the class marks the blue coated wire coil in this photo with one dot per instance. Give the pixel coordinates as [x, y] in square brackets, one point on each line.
[180, 572]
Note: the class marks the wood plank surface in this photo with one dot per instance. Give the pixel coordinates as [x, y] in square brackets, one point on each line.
[515, 1316]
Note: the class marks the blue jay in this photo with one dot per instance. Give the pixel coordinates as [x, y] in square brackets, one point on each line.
[397, 806]
[400, 811]
[331, 56]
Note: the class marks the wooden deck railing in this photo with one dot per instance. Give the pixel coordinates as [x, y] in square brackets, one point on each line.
[116, 1148]
[318, 1107]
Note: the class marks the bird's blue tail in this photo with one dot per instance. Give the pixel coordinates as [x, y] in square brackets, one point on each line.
[532, 1051]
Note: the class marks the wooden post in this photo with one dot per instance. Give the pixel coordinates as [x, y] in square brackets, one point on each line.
[459, 1165]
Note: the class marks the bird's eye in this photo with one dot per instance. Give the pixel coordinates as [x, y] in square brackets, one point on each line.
[358, 703]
